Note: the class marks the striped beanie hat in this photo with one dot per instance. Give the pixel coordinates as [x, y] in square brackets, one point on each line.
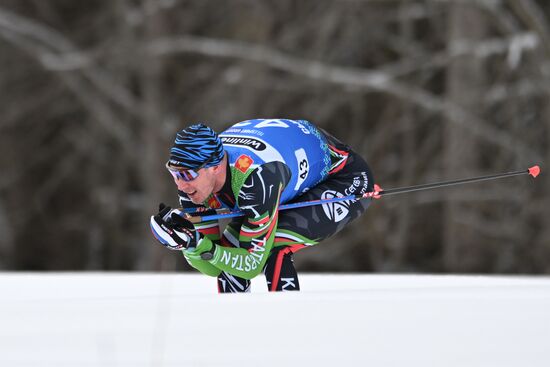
[196, 145]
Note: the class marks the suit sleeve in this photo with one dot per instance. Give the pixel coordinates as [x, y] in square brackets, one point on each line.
[259, 198]
[210, 230]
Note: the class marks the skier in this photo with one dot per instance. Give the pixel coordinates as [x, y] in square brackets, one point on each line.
[255, 166]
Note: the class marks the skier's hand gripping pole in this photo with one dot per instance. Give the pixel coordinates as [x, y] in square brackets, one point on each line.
[172, 229]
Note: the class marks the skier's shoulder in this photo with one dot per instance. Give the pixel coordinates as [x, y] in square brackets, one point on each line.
[246, 173]
[263, 186]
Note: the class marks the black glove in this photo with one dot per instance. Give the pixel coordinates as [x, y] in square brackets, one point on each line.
[172, 230]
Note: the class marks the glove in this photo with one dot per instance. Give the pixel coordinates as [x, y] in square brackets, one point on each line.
[172, 230]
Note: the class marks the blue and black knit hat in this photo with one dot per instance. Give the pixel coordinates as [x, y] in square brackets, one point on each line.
[196, 146]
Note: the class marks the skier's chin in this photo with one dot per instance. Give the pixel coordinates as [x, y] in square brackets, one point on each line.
[196, 197]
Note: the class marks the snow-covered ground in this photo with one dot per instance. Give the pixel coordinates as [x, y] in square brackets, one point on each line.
[337, 320]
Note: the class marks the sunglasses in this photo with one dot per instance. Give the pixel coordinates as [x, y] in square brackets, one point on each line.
[185, 174]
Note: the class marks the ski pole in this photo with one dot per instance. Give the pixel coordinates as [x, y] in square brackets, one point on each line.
[197, 217]
[532, 171]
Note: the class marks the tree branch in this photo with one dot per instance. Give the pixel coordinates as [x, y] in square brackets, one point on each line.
[371, 80]
[57, 53]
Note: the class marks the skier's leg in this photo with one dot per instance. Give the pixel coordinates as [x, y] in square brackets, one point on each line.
[279, 271]
[312, 224]
[307, 226]
[228, 283]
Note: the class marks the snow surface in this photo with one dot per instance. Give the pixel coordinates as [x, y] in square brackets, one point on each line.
[106, 319]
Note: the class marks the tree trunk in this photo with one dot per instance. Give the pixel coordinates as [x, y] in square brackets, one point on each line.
[464, 81]
[152, 151]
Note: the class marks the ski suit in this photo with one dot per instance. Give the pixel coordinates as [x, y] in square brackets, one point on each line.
[272, 162]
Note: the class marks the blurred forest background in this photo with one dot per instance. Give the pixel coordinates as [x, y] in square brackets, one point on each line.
[92, 93]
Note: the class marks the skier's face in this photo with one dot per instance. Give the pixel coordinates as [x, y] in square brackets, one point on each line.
[200, 187]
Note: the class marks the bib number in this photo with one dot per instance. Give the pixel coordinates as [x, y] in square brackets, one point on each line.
[264, 123]
[303, 167]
